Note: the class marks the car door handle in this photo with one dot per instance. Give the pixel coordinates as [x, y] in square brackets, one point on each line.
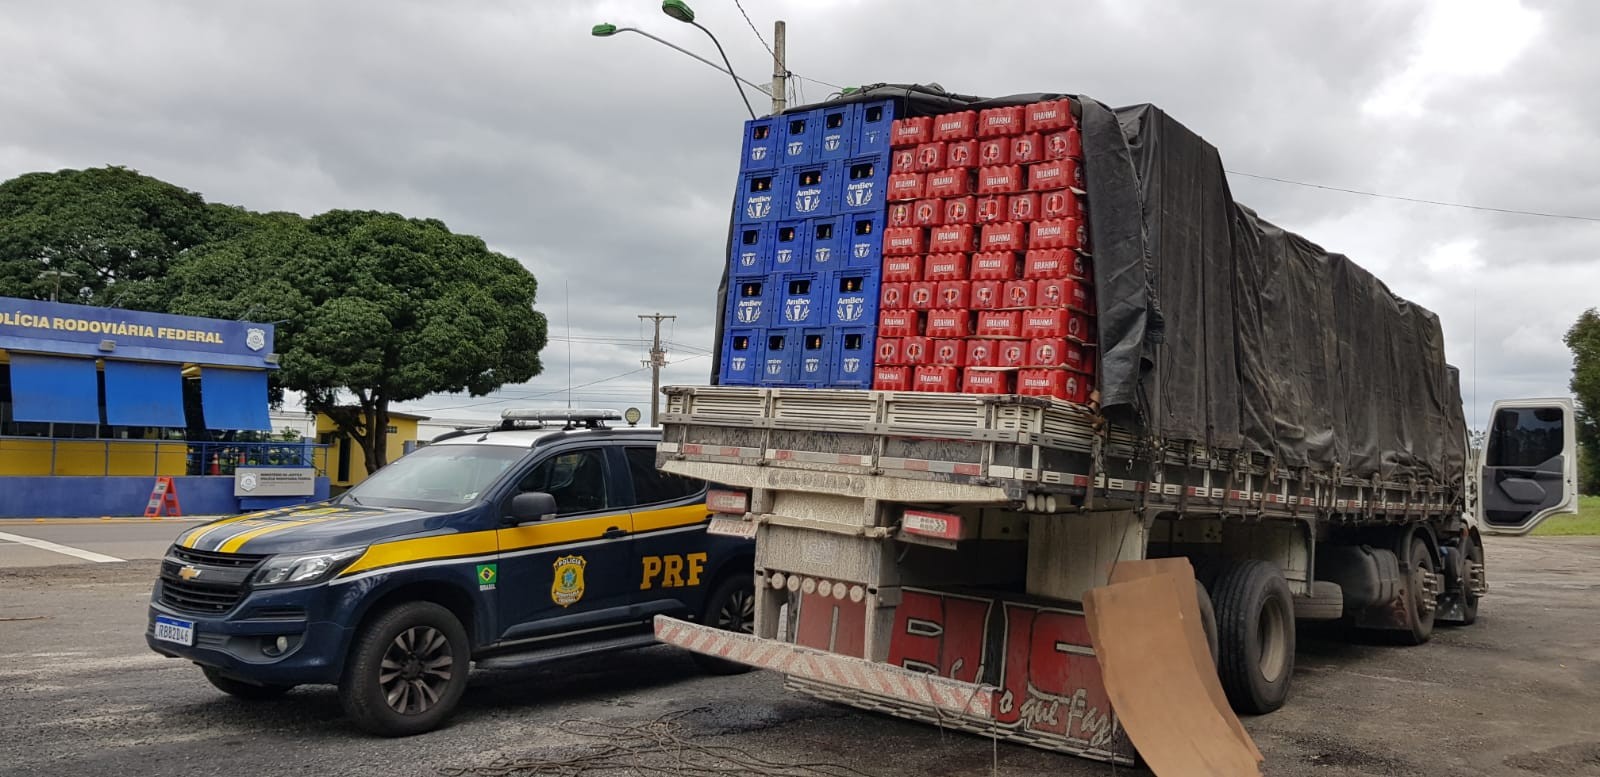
[613, 533]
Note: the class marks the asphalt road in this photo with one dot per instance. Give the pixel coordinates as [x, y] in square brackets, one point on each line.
[1517, 694]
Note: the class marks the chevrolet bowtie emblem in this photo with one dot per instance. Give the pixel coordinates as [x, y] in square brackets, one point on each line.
[188, 573]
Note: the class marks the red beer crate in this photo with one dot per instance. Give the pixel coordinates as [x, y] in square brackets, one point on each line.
[953, 295]
[903, 160]
[930, 157]
[902, 269]
[1080, 328]
[961, 153]
[945, 267]
[1024, 207]
[987, 295]
[960, 125]
[1027, 149]
[888, 351]
[1053, 263]
[943, 380]
[899, 323]
[927, 213]
[1001, 121]
[911, 131]
[1063, 293]
[1058, 383]
[1049, 116]
[949, 324]
[1063, 145]
[993, 208]
[949, 353]
[1055, 352]
[983, 353]
[1044, 322]
[1013, 353]
[960, 210]
[1020, 294]
[986, 381]
[900, 241]
[900, 214]
[955, 238]
[994, 266]
[1007, 236]
[906, 186]
[1057, 233]
[1060, 204]
[1003, 179]
[916, 350]
[891, 378]
[1055, 174]
[949, 183]
[994, 152]
[999, 323]
[894, 296]
[921, 294]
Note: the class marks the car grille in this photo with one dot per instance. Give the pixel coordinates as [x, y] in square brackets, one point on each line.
[217, 589]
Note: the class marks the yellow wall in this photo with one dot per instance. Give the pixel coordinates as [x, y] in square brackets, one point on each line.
[405, 429]
[93, 457]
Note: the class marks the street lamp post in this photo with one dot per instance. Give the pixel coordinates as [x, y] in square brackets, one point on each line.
[608, 30]
[681, 11]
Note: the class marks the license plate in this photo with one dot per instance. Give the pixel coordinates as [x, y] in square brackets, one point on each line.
[174, 630]
[732, 527]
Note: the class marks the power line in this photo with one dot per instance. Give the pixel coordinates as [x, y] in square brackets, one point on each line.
[1417, 199]
[753, 29]
[541, 395]
[816, 81]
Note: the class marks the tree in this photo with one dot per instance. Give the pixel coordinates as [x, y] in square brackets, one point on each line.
[102, 236]
[373, 306]
[1584, 340]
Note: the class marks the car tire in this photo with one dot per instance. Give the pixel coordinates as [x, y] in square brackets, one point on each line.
[732, 607]
[1255, 636]
[240, 689]
[407, 670]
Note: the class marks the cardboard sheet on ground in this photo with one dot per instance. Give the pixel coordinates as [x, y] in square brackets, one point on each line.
[1150, 666]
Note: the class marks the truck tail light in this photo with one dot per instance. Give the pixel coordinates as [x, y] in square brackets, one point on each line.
[735, 502]
[939, 526]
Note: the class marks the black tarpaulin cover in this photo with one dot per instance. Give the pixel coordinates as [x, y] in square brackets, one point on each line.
[1220, 328]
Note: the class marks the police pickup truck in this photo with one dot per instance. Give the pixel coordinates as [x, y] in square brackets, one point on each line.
[548, 536]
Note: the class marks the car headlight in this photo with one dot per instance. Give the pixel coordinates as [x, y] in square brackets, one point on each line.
[300, 569]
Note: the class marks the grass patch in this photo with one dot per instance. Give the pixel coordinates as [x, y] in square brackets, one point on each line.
[1585, 524]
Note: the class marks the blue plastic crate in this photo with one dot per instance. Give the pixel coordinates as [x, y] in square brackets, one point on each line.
[838, 132]
[815, 364]
[761, 196]
[864, 233]
[827, 244]
[852, 352]
[853, 297]
[811, 191]
[799, 300]
[741, 357]
[801, 135]
[872, 127]
[791, 245]
[862, 183]
[780, 357]
[750, 302]
[760, 145]
[752, 250]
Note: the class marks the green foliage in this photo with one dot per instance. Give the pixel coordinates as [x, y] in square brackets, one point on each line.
[1586, 523]
[1584, 340]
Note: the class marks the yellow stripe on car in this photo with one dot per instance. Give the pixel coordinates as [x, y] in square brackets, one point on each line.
[194, 535]
[237, 541]
[390, 554]
[670, 517]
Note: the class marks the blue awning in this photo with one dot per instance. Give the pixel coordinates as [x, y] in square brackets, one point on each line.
[53, 389]
[144, 394]
[234, 399]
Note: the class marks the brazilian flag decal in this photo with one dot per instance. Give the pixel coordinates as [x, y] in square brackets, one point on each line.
[486, 577]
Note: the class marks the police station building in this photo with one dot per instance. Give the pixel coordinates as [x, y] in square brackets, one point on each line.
[98, 405]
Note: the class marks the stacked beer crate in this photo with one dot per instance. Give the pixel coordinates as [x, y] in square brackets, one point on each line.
[806, 254]
[986, 282]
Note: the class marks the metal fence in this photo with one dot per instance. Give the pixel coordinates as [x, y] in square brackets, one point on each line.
[37, 456]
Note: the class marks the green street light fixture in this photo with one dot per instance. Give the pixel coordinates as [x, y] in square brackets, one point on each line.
[608, 30]
[681, 11]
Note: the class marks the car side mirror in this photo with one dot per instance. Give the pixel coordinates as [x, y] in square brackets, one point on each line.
[531, 506]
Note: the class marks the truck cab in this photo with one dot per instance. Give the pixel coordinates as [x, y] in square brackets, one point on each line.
[548, 536]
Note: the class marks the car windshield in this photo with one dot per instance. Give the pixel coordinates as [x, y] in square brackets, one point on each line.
[436, 477]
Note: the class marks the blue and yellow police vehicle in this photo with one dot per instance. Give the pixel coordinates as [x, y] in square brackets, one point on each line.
[547, 536]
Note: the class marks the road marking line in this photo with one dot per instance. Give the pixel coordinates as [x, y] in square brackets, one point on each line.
[86, 555]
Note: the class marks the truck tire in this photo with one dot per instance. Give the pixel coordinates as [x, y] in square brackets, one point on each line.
[1423, 610]
[1255, 636]
[407, 670]
[731, 607]
[1208, 620]
[1471, 551]
[242, 690]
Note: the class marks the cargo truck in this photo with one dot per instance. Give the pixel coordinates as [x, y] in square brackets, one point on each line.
[1253, 404]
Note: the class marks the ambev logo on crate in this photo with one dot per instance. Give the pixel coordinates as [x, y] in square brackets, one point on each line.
[758, 207]
[807, 200]
[796, 309]
[859, 193]
[851, 308]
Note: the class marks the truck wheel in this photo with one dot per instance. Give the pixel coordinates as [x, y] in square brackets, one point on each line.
[407, 670]
[1424, 606]
[1471, 553]
[243, 690]
[1208, 620]
[1255, 636]
[730, 607]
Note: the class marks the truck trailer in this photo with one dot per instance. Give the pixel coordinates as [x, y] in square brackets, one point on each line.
[1200, 385]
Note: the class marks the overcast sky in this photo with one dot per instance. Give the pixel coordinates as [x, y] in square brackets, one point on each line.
[607, 165]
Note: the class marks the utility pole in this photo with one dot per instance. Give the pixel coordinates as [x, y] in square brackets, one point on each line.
[657, 360]
[780, 71]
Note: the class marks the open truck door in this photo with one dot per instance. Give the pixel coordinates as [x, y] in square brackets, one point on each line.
[1528, 468]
